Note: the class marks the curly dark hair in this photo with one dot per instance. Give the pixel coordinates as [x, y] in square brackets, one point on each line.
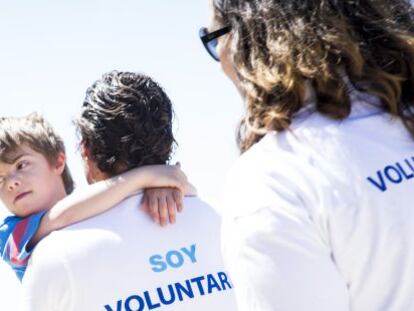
[126, 122]
[277, 46]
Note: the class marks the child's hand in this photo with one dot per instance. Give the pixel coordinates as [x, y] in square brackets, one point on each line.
[189, 189]
[162, 204]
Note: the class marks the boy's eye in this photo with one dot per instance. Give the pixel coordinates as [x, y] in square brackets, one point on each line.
[21, 165]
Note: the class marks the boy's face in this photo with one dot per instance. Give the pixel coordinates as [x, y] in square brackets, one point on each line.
[30, 184]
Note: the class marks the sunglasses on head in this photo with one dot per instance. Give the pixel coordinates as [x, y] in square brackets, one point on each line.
[210, 40]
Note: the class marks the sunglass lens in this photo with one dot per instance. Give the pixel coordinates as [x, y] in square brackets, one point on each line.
[210, 42]
[212, 48]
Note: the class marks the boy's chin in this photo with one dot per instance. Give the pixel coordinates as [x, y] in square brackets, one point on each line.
[28, 211]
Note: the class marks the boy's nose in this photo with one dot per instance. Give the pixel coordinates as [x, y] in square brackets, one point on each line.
[13, 183]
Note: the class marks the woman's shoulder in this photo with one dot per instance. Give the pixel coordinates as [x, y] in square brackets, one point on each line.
[273, 164]
[275, 151]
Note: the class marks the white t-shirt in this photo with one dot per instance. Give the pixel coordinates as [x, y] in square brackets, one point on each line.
[122, 260]
[321, 217]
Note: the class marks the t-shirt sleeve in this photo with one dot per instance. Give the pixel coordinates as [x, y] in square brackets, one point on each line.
[15, 235]
[274, 248]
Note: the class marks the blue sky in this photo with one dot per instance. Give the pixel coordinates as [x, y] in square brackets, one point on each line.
[53, 50]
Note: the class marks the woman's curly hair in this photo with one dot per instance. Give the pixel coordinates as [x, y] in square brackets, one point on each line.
[277, 46]
[126, 122]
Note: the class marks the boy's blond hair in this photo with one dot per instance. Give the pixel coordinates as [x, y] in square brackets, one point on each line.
[35, 131]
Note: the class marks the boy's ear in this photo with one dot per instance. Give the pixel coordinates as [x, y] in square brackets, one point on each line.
[60, 163]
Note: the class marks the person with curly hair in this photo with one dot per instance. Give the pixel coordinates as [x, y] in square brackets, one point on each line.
[36, 187]
[318, 209]
[121, 260]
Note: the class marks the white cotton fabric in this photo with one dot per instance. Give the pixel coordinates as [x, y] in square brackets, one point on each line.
[104, 263]
[321, 217]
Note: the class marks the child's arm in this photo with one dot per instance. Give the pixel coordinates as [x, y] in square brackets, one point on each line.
[103, 195]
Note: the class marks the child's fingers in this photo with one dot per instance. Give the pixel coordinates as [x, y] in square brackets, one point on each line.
[163, 210]
[153, 206]
[144, 203]
[178, 198]
[171, 208]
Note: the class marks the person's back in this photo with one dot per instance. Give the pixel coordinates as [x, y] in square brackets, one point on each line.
[318, 214]
[334, 198]
[121, 260]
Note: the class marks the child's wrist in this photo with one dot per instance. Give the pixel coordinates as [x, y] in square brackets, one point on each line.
[140, 179]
